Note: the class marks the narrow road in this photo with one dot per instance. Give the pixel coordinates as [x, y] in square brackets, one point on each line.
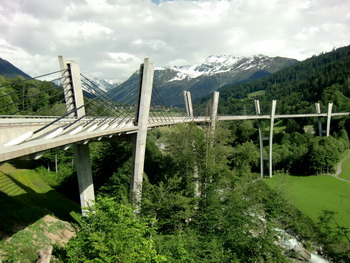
[336, 175]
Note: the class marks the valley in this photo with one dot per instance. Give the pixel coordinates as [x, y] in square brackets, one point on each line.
[202, 196]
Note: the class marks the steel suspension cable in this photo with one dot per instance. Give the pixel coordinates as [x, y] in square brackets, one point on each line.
[32, 78]
[65, 115]
[161, 99]
[28, 97]
[104, 93]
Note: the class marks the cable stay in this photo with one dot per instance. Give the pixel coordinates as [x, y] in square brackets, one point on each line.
[32, 78]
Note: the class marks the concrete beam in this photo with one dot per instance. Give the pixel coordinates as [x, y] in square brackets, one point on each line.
[145, 93]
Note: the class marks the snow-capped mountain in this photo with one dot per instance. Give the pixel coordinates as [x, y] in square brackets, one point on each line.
[100, 83]
[94, 86]
[219, 65]
[210, 75]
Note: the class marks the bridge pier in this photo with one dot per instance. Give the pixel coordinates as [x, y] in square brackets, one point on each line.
[214, 110]
[329, 116]
[262, 138]
[139, 139]
[84, 173]
[273, 112]
[261, 142]
[73, 93]
[318, 111]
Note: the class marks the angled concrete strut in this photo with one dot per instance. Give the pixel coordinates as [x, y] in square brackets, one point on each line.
[145, 93]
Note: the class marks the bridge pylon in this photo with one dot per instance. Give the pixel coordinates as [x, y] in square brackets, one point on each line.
[188, 103]
[139, 138]
[262, 138]
[72, 88]
[214, 110]
[318, 111]
[261, 142]
[329, 116]
[73, 93]
[273, 113]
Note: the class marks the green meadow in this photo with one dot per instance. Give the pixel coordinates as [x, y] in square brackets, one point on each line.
[25, 197]
[256, 93]
[313, 194]
[31, 213]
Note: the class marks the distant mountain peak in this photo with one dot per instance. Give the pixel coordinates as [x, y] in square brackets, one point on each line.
[211, 74]
[221, 64]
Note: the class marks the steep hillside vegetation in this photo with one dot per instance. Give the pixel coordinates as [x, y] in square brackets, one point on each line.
[323, 78]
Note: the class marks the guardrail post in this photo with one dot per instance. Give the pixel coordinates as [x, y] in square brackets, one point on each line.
[188, 103]
[329, 116]
[273, 112]
[261, 143]
[73, 93]
[145, 93]
[214, 110]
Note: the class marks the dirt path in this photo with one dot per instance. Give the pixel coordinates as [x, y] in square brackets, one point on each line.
[336, 175]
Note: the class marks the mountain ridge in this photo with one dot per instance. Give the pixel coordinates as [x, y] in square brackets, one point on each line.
[210, 75]
[8, 70]
[200, 79]
[323, 78]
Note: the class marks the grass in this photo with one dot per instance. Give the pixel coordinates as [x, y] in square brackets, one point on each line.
[256, 93]
[25, 197]
[313, 194]
[25, 200]
[279, 126]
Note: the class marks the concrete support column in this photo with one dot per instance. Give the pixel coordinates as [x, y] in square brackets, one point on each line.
[329, 116]
[188, 103]
[83, 168]
[73, 93]
[261, 143]
[318, 111]
[273, 112]
[214, 110]
[145, 93]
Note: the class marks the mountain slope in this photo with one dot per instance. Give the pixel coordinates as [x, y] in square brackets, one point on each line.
[10, 71]
[203, 78]
[323, 78]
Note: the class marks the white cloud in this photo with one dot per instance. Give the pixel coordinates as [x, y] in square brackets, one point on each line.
[110, 38]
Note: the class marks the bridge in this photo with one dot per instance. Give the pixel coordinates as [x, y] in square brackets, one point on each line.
[90, 114]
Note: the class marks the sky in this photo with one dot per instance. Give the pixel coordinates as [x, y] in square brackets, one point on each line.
[110, 38]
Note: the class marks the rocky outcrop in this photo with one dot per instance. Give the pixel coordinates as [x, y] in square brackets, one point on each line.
[44, 255]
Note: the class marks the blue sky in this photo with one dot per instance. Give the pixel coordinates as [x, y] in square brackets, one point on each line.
[110, 38]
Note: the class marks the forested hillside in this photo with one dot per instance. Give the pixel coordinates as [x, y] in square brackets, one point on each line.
[323, 78]
[202, 198]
